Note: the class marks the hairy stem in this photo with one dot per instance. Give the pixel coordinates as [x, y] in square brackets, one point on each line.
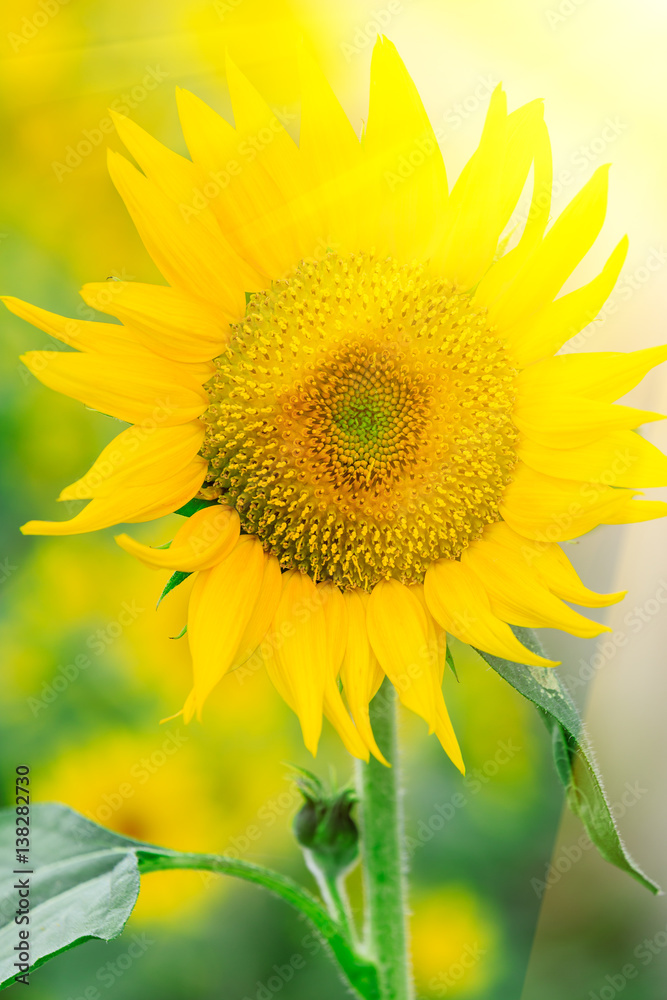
[334, 894]
[360, 973]
[382, 855]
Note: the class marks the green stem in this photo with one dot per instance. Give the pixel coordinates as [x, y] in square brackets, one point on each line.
[334, 894]
[382, 855]
[360, 973]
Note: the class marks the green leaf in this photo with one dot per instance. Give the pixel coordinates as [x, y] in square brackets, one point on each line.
[573, 755]
[450, 662]
[85, 883]
[178, 577]
[192, 506]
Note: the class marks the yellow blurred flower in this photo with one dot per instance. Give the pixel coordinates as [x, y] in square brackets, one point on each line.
[455, 943]
[98, 616]
[152, 788]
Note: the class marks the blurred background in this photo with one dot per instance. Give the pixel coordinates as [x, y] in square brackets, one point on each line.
[507, 903]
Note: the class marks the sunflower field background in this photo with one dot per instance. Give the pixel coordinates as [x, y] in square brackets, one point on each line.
[509, 900]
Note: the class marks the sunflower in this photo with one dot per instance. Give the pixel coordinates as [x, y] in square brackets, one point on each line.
[355, 379]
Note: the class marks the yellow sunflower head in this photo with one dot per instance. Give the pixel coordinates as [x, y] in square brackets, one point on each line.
[354, 379]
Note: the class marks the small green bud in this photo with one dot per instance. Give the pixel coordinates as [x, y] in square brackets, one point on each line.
[324, 827]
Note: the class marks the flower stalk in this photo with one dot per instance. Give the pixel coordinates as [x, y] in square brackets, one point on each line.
[384, 867]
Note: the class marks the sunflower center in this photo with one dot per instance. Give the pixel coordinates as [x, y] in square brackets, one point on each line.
[362, 413]
[360, 421]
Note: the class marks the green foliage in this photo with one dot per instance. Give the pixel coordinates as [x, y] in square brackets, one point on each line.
[85, 885]
[177, 577]
[573, 755]
[450, 662]
[192, 506]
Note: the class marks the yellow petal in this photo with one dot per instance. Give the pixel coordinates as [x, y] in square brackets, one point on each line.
[222, 605]
[458, 601]
[188, 710]
[548, 509]
[402, 149]
[257, 629]
[499, 279]
[252, 114]
[471, 223]
[331, 156]
[524, 137]
[335, 613]
[444, 730]
[545, 271]
[249, 204]
[166, 320]
[543, 335]
[180, 180]
[206, 538]
[621, 458]
[398, 633]
[126, 389]
[266, 141]
[561, 578]
[132, 504]
[298, 663]
[174, 175]
[437, 640]
[601, 376]
[633, 511]
[139, 456]
[100, 338]
[564, 421]
[539, 212]
[360, 671]
[504, 565]
[184, 250]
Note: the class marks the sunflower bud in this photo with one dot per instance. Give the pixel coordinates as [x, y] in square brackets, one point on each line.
[325, 829]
